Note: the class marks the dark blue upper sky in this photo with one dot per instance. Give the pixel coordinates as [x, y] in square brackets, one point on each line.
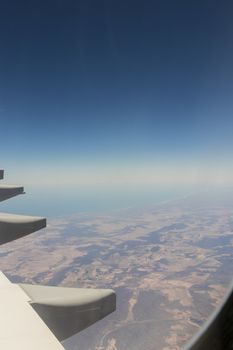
[116, 80]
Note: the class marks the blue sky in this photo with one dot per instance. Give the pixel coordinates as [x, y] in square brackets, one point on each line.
[116, 92]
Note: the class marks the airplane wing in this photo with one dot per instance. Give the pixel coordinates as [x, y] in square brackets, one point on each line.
[36, 317]
[21, 327]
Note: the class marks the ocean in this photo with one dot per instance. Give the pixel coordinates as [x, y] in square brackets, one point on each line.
[53, 202]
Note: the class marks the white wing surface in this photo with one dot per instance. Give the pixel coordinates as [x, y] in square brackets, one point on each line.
[34, 317]
[21, 327]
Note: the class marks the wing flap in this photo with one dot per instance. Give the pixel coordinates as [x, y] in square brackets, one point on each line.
[16, 226]
[7, 191]
[67, 311]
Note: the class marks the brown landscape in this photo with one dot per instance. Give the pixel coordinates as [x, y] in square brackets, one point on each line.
[169, 265]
